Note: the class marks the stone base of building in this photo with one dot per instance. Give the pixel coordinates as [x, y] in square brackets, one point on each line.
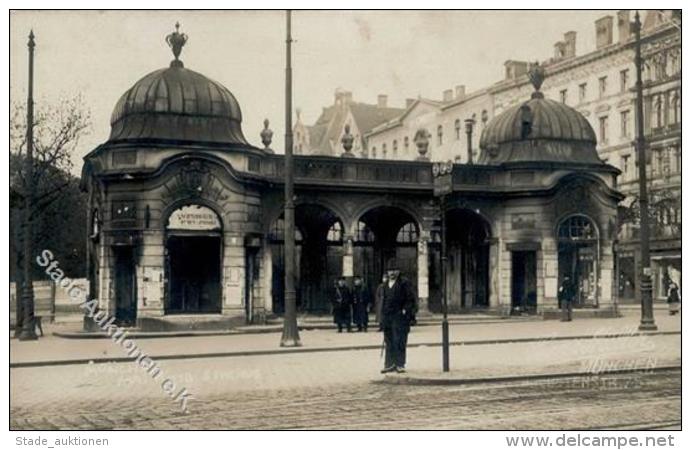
[185, 322]
[608, 312]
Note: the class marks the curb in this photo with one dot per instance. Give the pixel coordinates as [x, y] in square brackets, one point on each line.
[422, 381]
[293, 350]
[263, 329]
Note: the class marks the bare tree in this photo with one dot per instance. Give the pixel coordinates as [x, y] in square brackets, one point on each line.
[57, 130]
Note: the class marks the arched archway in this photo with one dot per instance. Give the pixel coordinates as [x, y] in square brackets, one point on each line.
[467, 246]
[193, 260]
[319, 258]
[385, 234]
[578, 256]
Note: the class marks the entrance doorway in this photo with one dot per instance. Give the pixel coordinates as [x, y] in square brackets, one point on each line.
[524, 282]
[194, 267]
[125, 288]
[578, 258]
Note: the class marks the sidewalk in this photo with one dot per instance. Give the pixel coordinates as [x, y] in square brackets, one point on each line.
[53, 350]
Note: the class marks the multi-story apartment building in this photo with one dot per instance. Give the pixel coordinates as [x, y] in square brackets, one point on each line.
[599, 84]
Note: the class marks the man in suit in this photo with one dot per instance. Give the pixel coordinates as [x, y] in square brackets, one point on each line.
[398, 305]
[341, 305]
[567, 294]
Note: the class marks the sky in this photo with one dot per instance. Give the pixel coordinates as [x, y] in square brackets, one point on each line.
[403, 54]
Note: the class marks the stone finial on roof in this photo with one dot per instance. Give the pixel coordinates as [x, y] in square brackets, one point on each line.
[536, 75]
[176, 41]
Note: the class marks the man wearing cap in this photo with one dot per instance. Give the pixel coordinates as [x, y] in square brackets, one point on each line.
[398, 304]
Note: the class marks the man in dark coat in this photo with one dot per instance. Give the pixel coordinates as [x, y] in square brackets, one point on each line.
[397, 311]
[341, 305]
[567, 293]
[360, 304]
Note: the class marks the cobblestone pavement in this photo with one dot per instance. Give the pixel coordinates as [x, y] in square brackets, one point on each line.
[612, 402]
[338, 390]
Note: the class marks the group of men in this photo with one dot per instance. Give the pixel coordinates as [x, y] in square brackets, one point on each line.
[395, 307]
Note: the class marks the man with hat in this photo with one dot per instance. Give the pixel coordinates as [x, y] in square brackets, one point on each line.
[341, 305]
[398, 305]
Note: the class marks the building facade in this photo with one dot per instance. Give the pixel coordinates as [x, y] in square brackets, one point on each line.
[600, 85]
[187, 228]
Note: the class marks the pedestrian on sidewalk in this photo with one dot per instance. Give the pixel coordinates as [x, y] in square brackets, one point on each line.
[567, 292]
[379, 300]
[360, 304]
[341, 305]
[673, 299]
[398, 302]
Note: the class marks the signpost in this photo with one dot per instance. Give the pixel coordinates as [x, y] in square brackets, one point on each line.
[443, 186]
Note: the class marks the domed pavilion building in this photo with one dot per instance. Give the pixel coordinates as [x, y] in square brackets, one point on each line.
[187, 230]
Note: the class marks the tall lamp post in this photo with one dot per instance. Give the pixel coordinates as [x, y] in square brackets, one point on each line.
[291, 336]
[443, 185]
[28, 332]
[647, 319]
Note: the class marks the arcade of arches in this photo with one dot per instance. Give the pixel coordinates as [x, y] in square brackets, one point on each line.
[187, 228]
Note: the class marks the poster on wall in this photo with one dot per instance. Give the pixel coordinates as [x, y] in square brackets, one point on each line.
[194, 217]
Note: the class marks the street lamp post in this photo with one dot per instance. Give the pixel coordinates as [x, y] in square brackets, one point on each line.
[28, 332]
[443, 185]
[291, 335]
[647, 319]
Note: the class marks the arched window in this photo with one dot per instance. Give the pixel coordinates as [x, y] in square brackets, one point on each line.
[457, 127]
[276, 232]
[406, 145]
[374, 152]
[658, 112]
[675, 108]
[335, 233]
[407, 234]
[577, 228]
[364, 233]
[383, 151]
[484, 117]
[440, 135]
[395, 149]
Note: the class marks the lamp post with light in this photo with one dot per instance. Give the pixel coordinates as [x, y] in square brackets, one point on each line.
[443, 186]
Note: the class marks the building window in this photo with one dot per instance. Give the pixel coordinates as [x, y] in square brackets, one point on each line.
[657, 117]
[675, 108]
[394, 149]
[457, 127]
[440, 135]
[383, 151]
[407, 234]
[677, 158]
[602, 83]
[364, 233]
[582, 88]
[624, 80]
[625, 166]
[562, 95]
[604, 124]
[374, 152]
[624, 117]
[484, 117]
[335, 233]
[577, 228]
[406, 145]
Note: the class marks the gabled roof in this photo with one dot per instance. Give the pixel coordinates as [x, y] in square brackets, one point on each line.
[398, 120]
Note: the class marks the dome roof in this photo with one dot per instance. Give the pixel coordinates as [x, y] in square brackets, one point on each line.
[539, 130]
[177, 104]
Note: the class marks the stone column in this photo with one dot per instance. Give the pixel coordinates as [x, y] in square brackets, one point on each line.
[348, 256]
[267, 278]
[494, 274]
[550, 273]
[423, 274]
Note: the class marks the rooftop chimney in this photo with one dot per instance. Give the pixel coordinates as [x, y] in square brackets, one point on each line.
[624, 24]
[570, 44]
[460, 91]
[603, 31]
[348, 97]
[381, 101]
[515, 69]
[448, 95]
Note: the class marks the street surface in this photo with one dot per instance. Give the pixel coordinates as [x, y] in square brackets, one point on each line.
[343, 390]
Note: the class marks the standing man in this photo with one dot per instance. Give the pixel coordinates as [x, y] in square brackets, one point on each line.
[567, 292]
[360, 304]
[397, 311]
[341, 305]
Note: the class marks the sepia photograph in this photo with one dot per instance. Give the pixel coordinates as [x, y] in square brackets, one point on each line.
[345, 220]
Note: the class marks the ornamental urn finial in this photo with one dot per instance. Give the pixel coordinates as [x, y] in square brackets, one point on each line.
[422, 142]
[347, 141]
[176, 41]
[266, 136]
[536, 75]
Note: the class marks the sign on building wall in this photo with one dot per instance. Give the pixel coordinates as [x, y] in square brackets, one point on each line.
[194, 217]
